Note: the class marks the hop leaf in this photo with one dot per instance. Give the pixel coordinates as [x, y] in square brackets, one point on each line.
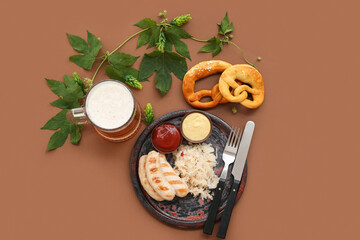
[214, 45]
[89, 50]
[173, 36]
[150, 35]
[149, 114]
[164, 64]
[225, 26]
[69, 92]
[119, 68]
[132, 81]
[59, 121]
[181, 20]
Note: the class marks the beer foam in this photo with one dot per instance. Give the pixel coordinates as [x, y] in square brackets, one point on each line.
[109, 105]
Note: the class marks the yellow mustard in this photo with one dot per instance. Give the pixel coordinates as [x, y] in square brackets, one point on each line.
[196, 126]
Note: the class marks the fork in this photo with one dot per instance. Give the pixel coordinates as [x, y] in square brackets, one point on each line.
[228, 157]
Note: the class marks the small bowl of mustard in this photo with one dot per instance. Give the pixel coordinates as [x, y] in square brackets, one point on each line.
[196, 127]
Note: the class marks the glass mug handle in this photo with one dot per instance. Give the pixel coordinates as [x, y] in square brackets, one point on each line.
[77, 116]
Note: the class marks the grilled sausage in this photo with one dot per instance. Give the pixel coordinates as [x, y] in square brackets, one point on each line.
[156, 178]
[181, 189]
[144, 181]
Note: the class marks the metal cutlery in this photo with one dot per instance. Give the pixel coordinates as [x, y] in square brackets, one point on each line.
[237, 172]
[228, 157]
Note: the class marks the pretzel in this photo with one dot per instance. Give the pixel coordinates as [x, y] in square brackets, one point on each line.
[201, 70]
[246, 74]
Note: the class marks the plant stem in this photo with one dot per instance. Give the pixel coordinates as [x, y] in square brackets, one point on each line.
[102, 62]
[128, 40]
[198, 40]
[242, 54]
[107, 55]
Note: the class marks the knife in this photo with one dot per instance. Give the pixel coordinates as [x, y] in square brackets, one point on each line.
[237, 172]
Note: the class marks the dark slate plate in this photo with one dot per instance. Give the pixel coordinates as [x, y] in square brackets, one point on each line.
[187, 212]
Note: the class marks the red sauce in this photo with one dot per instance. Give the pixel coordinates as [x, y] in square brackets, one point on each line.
[166, 137]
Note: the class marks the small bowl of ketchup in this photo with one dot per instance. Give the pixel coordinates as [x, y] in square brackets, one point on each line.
[166, 137]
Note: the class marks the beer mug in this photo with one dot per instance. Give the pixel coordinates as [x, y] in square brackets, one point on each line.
[111, 108]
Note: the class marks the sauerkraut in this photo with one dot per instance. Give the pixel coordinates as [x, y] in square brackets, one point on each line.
[195, 165]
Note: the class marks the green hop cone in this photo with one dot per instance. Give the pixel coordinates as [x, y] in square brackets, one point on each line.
[149, 114]
[88, 84]
[161, 43]
[163, 13]
[132, 82]
[78, 80]
[234, 110]
[181, 20]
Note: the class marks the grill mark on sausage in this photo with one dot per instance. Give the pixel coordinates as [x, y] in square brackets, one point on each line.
[153, 170]
[155, 178]
[163, 188]
[169, 174]
[172, 182]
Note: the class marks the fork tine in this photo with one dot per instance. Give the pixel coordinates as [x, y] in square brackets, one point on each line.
[229, 138]
[238, 137]
[235, 137]
[241, 133]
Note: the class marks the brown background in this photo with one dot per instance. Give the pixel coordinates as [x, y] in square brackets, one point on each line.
[303, 180]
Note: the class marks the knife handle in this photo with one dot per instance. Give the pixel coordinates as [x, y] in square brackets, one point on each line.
[210, 221]
[225, 220]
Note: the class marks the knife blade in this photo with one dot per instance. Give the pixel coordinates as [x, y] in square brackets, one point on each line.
[237, 172]
[242, 153]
